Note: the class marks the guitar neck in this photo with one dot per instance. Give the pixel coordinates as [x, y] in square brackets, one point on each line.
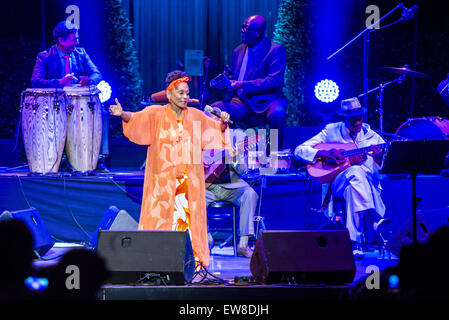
[363, 150]
[241, 147]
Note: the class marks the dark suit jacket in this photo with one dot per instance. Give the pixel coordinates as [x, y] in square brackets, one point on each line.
[265, 74]
[48, 69]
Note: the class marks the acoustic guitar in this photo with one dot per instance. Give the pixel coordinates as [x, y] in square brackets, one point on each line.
[325, 170]
[217, 163]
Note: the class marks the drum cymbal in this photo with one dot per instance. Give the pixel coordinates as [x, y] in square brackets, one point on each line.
[405, 71]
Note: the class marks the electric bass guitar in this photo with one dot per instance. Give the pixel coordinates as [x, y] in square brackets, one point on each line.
[216, 164]
[325, 170]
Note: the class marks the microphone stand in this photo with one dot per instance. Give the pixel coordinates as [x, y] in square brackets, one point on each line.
[203, 92]
[366, 33]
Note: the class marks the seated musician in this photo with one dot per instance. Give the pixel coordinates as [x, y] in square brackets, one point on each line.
[257, 80]
[359, 183]
[227, 185]
[65, 64]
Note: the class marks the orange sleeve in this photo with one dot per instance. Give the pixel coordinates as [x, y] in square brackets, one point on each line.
[139, 129]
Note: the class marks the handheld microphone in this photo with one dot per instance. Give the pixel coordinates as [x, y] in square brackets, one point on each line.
[211, 110]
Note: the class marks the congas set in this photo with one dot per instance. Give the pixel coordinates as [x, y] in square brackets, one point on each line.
[281, 160]
[84, 127]
[429, 128]
[43, 121]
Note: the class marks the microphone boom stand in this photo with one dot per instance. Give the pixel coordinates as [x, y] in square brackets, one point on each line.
[366, 33]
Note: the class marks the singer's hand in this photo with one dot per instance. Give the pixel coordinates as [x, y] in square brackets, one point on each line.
[116, 109]
[224, 116]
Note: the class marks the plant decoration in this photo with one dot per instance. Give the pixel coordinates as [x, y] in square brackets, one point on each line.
[122, 54]
[292, 31]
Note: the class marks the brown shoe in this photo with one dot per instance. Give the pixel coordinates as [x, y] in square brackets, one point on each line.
[245, 251]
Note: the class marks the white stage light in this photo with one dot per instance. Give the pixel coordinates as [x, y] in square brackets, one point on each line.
[326, 90]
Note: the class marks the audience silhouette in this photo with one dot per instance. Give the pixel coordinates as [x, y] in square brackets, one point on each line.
[16, 246]
[422, 272]
[79, 275]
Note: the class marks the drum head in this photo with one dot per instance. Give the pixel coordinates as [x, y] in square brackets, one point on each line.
[424, 128]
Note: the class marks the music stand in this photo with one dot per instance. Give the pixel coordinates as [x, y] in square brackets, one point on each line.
[415, 157]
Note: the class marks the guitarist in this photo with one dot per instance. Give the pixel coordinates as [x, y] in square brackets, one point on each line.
[359, 184]
[257, 80]
[229, 186]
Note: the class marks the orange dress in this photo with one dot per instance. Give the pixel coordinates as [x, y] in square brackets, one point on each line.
[172, 153]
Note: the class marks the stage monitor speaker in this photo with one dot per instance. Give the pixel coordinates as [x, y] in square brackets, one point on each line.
[312, 257]
[427, 221]
[42, 240]
[137, 256]
[114, 219]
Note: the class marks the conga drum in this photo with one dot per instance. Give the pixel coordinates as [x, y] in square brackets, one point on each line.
[84, 127]
[44, 119]
[425, 128]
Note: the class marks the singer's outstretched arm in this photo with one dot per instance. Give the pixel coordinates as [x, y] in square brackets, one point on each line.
[117, 110]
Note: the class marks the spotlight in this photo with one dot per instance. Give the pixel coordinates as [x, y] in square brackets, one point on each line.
[105, 91]
[326, 90]
[393, 282]
[37, 284]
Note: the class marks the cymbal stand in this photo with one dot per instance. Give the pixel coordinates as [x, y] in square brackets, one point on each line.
[380, 97]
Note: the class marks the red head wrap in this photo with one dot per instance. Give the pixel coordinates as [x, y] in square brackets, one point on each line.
[176, 82]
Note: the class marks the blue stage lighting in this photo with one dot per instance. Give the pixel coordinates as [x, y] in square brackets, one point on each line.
[393, 282]
[326, 90]
[37, 284]
[105, 91]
